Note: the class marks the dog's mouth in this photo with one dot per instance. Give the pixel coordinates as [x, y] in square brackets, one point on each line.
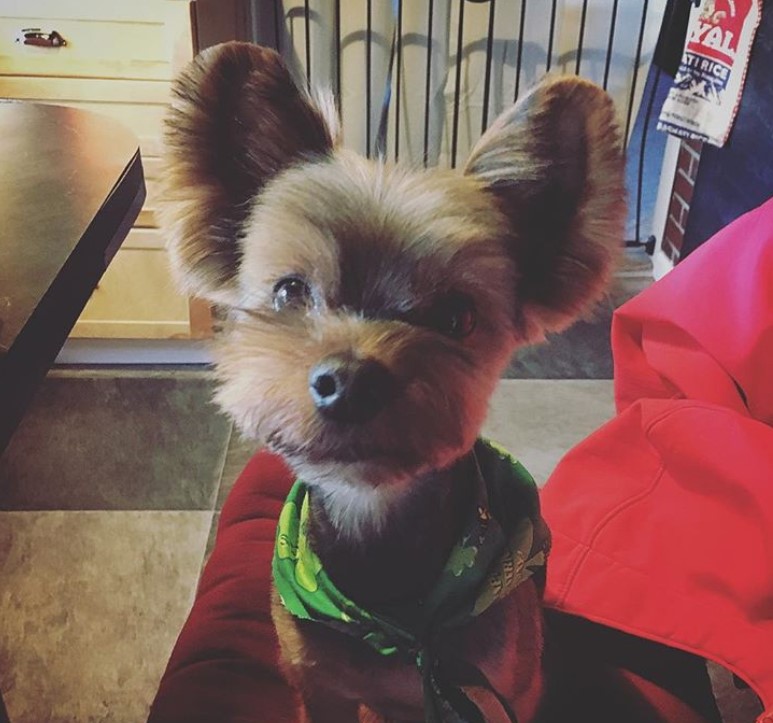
[408, 436]
[344, 449]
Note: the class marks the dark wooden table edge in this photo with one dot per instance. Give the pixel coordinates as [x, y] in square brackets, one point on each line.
[36, 347]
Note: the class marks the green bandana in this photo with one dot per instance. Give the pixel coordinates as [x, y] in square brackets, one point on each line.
[504, 543]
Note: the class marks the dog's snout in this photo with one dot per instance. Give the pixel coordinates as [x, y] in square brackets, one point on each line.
[345, 389]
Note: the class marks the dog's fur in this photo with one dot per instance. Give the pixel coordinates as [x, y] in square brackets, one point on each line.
[259, 189]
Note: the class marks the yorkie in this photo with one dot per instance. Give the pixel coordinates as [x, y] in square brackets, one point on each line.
[371, 310]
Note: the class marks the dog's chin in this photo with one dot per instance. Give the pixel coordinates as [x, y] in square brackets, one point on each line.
[360, 493]
[360, 462]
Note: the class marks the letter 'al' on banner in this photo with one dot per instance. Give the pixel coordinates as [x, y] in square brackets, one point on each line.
[706, 92]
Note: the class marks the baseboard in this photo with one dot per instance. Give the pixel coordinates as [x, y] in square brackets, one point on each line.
[131, 351]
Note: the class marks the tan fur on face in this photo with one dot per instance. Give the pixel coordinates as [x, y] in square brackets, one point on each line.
[445, 233]
[298, 221]
[264, 370]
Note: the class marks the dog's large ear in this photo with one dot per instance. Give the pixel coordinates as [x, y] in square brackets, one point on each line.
[555, 164]
[236, 120]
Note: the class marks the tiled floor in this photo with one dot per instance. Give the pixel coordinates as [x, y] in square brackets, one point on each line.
[110, 490]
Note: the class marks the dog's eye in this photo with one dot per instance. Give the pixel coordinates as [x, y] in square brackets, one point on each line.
[454, 316]
[291, 292]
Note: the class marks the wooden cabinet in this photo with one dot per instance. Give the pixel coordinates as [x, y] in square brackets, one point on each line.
[117, 59]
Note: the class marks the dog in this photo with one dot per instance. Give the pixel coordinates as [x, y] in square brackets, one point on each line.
[371, 310]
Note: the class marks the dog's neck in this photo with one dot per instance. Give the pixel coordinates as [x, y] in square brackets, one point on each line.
[403, 534]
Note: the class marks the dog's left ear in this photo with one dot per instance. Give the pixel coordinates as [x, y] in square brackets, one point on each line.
[555, 164]
[236, 121]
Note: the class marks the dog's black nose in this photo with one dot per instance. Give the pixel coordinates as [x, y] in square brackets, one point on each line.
[346, 389]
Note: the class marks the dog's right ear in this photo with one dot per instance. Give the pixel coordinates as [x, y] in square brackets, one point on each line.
[236, 120]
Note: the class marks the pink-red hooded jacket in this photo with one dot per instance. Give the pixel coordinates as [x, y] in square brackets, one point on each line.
[662, 520]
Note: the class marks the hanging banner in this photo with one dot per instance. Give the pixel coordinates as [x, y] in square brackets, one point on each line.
[706, 92]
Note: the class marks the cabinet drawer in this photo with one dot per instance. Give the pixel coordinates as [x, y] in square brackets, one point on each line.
[140, 42]
[152, 170]
[144, 238]
[152, 92]
[148, 216]
[136, 298]
[139, 105]
[145, 120]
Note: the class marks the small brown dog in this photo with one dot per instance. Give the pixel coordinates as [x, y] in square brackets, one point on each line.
[371, 312]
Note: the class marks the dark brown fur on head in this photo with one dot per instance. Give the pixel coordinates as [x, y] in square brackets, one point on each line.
[432, 276]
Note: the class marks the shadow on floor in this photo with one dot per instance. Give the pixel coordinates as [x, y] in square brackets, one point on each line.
[584, 350]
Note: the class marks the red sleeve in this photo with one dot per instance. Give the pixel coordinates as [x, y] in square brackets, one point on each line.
[224, 664]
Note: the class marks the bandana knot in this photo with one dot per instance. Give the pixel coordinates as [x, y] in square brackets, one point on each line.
[503, 543]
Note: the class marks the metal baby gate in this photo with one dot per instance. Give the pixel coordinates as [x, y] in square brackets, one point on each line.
[420, 80]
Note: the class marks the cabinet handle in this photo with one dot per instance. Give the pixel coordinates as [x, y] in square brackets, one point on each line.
[35, 36]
